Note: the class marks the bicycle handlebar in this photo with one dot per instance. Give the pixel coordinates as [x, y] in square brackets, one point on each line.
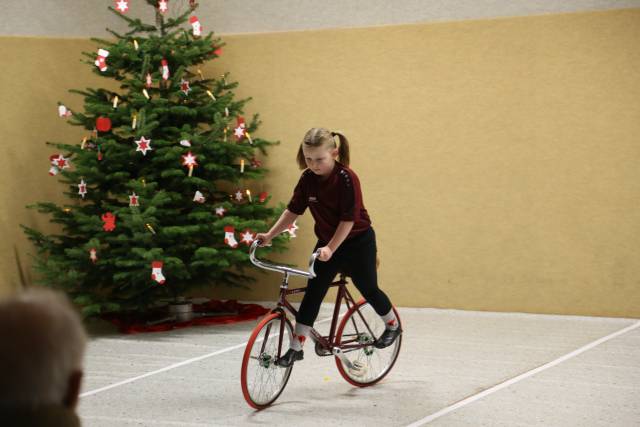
[281, 268]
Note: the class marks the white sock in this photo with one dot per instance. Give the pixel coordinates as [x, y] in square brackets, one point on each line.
[390, 320]
[300, 335]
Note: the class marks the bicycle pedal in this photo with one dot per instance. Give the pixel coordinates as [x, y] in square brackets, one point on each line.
[358, 369]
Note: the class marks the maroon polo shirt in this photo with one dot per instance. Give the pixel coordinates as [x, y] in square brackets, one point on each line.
[334, 199]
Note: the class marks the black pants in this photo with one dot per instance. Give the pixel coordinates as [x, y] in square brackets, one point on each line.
[357, 258]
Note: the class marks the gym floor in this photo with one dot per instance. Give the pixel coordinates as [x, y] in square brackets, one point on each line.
[456, 368]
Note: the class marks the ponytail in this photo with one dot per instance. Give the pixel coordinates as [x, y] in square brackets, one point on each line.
[317, 137]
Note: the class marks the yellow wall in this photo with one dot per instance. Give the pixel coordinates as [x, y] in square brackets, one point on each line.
[499, 158]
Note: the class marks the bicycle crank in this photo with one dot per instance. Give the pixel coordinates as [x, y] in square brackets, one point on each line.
[356, 368]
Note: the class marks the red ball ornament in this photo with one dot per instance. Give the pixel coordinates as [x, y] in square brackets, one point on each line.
[103, 124]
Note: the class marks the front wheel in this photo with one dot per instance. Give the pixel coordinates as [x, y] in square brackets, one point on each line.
[359, 329]
[261, 379]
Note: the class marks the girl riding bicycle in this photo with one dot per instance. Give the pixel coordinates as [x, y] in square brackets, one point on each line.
[346, 240]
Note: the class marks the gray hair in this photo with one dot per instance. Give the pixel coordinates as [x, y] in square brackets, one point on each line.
[42, 345]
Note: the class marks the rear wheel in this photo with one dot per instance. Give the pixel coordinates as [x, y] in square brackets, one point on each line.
[261, 379]
[357, 333]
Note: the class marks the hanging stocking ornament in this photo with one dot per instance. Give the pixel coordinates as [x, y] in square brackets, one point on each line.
[247, 237]
[165, 69]
[195, 24]
[82, 188]
[93, 255]
[156, 272]
[122, 5]
[101, 60]
[229, 236]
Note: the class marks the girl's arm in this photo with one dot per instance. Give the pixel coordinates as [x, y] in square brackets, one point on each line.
[343, 230]
[285, 220]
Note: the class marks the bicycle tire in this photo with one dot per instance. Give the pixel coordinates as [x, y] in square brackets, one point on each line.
[264, 361]
[364, 335]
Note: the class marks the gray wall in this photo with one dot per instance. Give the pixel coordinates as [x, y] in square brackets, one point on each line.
[83, 18]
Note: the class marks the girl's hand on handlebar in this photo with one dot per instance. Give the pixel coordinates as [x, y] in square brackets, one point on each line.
[325, 253]
[264, 238]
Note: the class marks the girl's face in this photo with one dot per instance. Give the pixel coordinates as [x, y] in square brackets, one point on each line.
[320, 159]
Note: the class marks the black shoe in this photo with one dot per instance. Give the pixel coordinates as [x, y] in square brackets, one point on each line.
[289, 357]
[388, 337]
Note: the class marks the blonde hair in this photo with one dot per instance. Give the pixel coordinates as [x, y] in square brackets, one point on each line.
[47, 342]
[321, 137]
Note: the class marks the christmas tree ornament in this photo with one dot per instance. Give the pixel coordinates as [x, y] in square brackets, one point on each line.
[199, 197]
[211, 95]
[255, 163]
[195, 25]
[226, 112]
[226, 130]
[247, 237]
[135, 44]
[103, 124]
[146, 94]
[242, 166]
[63, 111]
[82, 188]
[240, 128]
[292, 229]
[229, 236]
[163, 6]
[165, 69]
[147, 81]
[218, 51]
[122, 5]
[115, 101]
[134, 120]
[83, 143]
[109, 220]
[249, 195]
[185, 143]
[53, 171]
[99, 153]
[220, 211]
[101, 60]
[239, 196]
[59, 161]
[184, 86]
[189, 160]
[156, 272]
[193, 4]
[144, 145]
[133, 200]
[263, 196]
[150, 228]
[93, 255]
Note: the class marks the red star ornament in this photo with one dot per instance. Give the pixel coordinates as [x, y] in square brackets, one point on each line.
[184, 86]
[247, 237]
[144, 145]
[82, 188]
[122, 5]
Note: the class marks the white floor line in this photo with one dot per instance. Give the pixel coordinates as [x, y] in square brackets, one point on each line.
[521, 377]
[177, 365]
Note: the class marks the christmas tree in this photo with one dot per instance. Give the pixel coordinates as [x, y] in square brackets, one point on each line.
[157, 197]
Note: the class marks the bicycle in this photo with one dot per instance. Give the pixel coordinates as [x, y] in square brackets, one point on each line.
[351, 342]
